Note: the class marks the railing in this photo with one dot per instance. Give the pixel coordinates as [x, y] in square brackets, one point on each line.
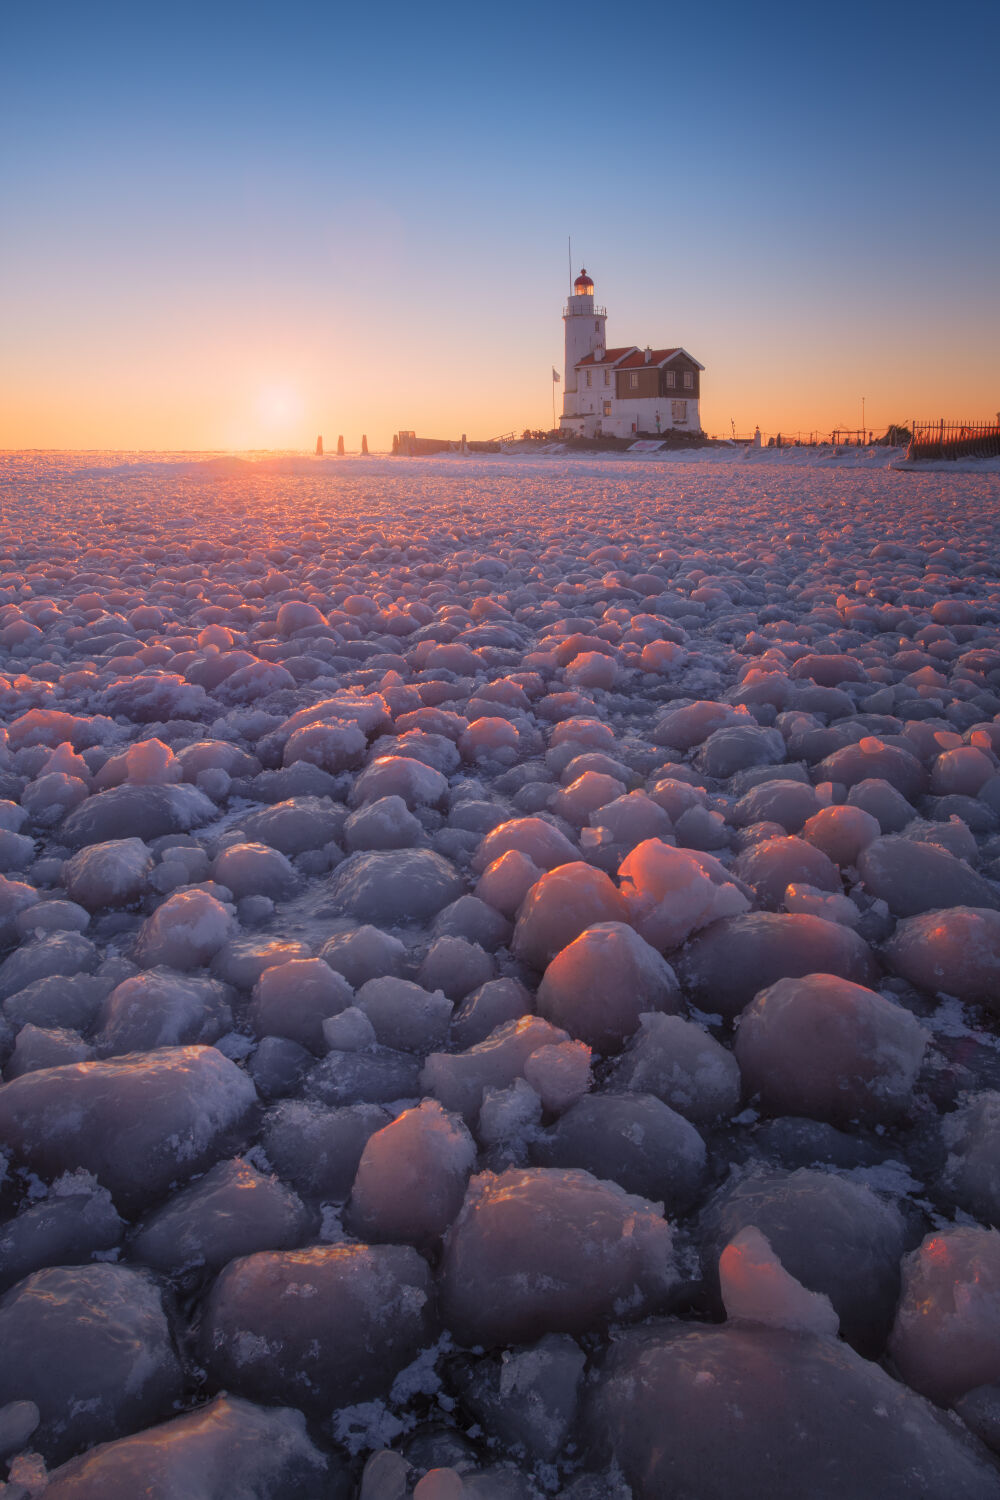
[943, 439]
[575, 311]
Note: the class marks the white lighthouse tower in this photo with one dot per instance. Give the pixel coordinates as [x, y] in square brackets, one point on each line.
[584, 335]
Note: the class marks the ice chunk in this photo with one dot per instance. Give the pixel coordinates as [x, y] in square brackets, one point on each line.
[49, 798]
[946, 1337]
[227, 1448]
[163, 1009]
[298, 824]
[412, 1177]
[789, 803]
[317, 1149]
[841, 833]
[630, 819]
[560, 906]
[771, 865]
[537, 840]
[825, 1048]
[90, 1345]
[559, 1073]
[736, 748]
[233, 1210]
[139, 1123]
[551, 1251]
[682, 1065]
[955, 952]
[732, 960]
[588, 793]
[18, 1420]
[757, 1288]
[972, 1173]
[475, 921]
[378, 1075]
[873, 759]
[140, 812]
[60, 953]
[674, 892]
[916, 877]
[15, 898]
[294, 999]
[52, 916]
[490, 739]
[490, 1006]
[75, 1222]
[832, 906]
[599, 985]
[632, 1139]
[61, 1001]
[405, 1016]
[505, 883]
[321, 1328]
[364, 953]
[185, 931]
[684, 728]
[385, 823]
[797, 1414]
[110, 874]
[455, 966]
[333, 746]
[395, 886]
[964, 770]
[460, 1079]
[400, 776]
[833, 1235]
[243, 960]
[35, 1047]
[528, 1397]
[509, 1116]
[883, 802]
[254, 870]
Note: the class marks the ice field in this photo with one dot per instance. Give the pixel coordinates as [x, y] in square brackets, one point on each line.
[500, 979]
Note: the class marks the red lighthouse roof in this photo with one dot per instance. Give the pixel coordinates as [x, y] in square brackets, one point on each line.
[583, 282]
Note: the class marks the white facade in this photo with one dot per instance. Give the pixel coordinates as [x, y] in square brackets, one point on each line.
[592, 406]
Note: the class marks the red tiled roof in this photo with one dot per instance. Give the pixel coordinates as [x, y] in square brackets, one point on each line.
[609, 357]
[658, 357]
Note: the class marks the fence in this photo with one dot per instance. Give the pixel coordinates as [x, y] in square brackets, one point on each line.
[943, 439]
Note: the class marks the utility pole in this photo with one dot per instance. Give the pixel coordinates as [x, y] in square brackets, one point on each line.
[863, 429]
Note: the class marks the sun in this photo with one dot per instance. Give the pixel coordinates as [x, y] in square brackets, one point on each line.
[280, 410]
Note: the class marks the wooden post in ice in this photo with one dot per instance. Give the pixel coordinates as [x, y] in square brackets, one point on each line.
[364, 443]
[319, 446]
[340, 447]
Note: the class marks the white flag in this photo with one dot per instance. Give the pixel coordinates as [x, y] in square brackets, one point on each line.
[555, 373]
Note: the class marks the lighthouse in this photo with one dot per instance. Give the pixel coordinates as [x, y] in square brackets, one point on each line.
[584, 335]
[627, 391]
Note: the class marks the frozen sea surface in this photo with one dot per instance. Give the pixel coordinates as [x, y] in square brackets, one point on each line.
[498, 956]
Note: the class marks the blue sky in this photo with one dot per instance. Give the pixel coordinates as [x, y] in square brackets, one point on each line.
[228, 226]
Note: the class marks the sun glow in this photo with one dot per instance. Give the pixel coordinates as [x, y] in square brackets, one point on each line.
[279, 410]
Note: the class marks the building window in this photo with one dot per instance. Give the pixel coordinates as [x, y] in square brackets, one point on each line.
[607, 408]
[689, 380]
[597, 324]
[588, 377]
[607, 377]
[633, 380]
[671, 379]
[679, 411]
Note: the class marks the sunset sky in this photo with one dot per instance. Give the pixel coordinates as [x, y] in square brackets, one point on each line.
[231, 226]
